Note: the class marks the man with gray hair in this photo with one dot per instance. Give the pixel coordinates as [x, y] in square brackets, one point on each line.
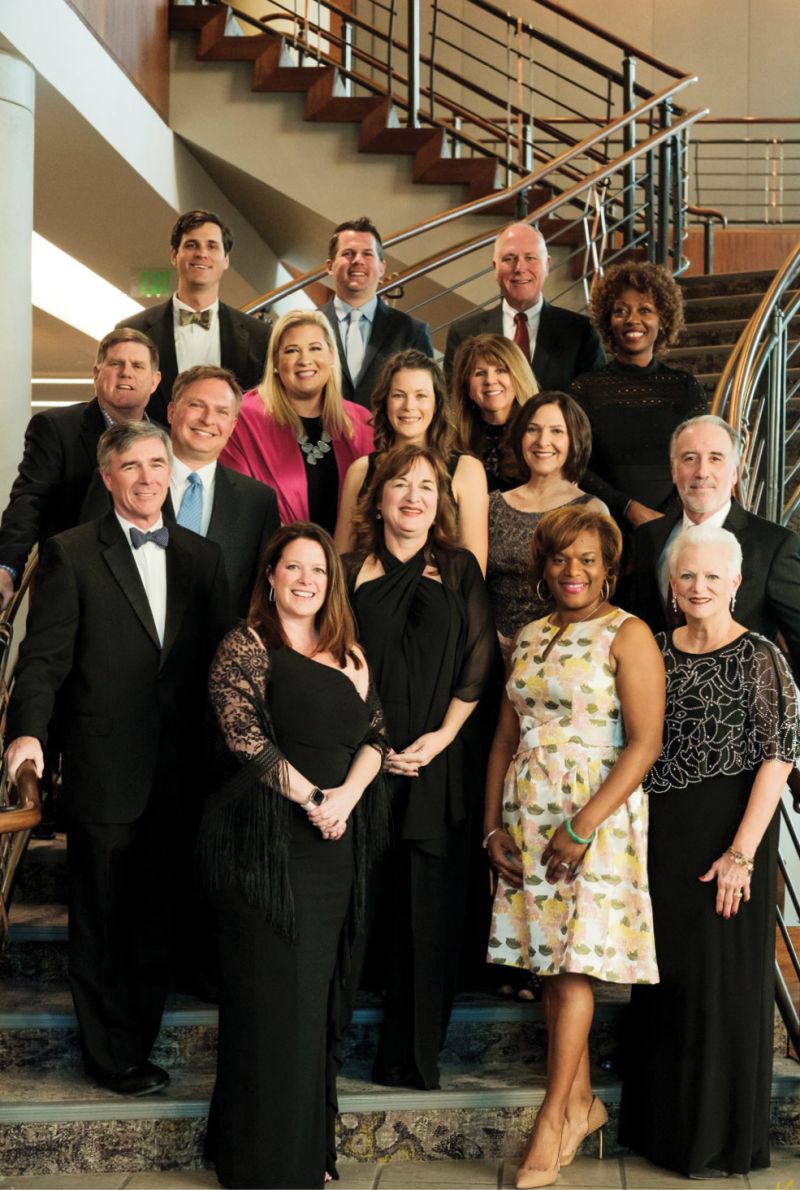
[59, 458]
[705, 453]
[127, 615]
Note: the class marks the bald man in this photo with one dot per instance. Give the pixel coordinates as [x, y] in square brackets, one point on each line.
[559, 343]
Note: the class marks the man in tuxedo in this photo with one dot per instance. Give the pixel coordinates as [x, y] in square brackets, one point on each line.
[237, 512]
[195, 327]
[126, 619]
[559, 343]
[366, 329]
[59, 460]
[705, 453]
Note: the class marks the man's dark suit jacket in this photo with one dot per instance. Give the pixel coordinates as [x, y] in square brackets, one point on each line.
[768, 600]
[243, 342]
[58, 462]
[127, 706]
[566, 344]
[244, 517]
[392, 331]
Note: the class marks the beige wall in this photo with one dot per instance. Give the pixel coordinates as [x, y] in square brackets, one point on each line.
[136, 34]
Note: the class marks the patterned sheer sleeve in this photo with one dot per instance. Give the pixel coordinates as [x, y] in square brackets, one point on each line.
[237, 689]
[376, 737]
[774, 711]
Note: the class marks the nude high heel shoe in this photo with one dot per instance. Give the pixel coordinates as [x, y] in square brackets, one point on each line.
[530, 1179]
[596, 1118]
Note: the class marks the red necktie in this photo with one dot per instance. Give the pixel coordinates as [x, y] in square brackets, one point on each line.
[521, 337]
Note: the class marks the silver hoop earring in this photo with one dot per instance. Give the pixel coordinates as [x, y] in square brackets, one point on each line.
[605, 595]
[542, 598]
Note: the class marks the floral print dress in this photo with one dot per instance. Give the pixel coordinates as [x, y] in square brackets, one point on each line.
[571, 732]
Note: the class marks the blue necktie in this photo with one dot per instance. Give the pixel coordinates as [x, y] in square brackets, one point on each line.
[190, 513]
[157, 536]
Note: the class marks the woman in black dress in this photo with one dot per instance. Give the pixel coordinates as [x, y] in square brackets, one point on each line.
[410, 406]
[424, 619]
[284, 846]
[491, 379]
[635, 401]
[696, 1094]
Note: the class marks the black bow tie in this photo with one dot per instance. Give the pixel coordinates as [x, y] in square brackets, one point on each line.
[157, 536]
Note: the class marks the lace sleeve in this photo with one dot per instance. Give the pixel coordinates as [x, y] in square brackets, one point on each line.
[376, 737]
[237, 689]
[775, 717]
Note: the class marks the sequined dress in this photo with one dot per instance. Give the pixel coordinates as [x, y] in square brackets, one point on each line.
[571, 733]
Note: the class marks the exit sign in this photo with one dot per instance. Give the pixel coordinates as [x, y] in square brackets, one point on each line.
[152, 283]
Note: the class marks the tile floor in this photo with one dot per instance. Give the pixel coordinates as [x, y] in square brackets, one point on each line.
[615, 1173]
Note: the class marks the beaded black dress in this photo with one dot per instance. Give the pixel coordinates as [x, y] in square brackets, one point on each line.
[287, 903]
[696, 1091]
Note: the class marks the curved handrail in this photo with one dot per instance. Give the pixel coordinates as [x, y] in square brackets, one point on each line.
[27, 811]
[529, 181]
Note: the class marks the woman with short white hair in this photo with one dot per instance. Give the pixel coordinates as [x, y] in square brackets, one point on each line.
[696, 1096]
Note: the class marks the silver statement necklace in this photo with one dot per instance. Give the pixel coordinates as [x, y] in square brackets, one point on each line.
[314, 451]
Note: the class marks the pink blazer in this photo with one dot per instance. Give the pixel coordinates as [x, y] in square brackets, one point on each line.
[270, 453]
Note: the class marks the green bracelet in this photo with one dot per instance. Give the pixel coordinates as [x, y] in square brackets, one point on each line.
[576, 838]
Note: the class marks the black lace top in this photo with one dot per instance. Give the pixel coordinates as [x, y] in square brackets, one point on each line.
[727, 712]
[633, 412]
[244, 837]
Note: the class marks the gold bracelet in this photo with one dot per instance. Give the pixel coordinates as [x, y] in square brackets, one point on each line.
[741, 861]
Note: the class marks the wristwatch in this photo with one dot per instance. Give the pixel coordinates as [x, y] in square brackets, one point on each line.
[315, 798]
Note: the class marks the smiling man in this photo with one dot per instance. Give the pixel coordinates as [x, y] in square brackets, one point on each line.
[127, 616]
[195, 327]
[237, 512]
[367, 330]
[54, 487]
[705, 455]
[558, 343]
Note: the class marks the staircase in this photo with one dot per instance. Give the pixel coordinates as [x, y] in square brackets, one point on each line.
[54, 1120]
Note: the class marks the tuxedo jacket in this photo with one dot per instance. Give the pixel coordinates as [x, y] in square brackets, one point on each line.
[58, 461]
[243, 342]
[566, 344]
[392, 330]
[768, 601]
[243, 518]
[127, 706]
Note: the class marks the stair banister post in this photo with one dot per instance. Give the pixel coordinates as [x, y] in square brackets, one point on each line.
[629, 142]
[347, 58]
[650, 208]
[664, 187]
[677, 202]
[776, 417]
[413, 63]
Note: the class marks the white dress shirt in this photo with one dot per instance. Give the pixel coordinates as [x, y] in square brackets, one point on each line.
[151, 562]
[533, 316]
[179, 482]
[193, 344]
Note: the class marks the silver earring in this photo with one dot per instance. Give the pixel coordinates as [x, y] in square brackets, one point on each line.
[271, 594]
[733, 602]
[674, 604]
[605, 590]
[543, 598]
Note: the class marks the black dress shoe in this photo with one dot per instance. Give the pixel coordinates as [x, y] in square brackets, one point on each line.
[136, 1080]
[701, 1175]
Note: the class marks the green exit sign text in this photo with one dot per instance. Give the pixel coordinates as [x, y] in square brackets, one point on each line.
[151, 283]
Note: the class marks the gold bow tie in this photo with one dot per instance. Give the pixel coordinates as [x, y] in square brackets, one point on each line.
[201, 317]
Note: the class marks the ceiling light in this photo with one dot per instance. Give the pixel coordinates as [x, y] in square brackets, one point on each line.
[66, 289]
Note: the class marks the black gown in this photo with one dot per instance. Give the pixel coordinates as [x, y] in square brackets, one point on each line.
[696, 1091]
[427, 642]
[284, 898]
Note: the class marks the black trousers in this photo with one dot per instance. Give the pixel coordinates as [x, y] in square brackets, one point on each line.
[125, 882]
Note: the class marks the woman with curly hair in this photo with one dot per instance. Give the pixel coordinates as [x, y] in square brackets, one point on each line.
[491, 380]
[636, 401]
[410, 406]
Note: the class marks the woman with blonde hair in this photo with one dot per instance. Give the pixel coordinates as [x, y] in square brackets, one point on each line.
[491, 380]
[295, 432]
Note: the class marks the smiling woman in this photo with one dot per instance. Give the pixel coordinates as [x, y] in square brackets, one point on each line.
[636, 401]
[295, 433]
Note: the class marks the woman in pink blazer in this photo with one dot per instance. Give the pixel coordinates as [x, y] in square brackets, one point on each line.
[295, 432]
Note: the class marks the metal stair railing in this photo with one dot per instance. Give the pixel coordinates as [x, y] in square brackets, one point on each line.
[758, 395]
[20, 804]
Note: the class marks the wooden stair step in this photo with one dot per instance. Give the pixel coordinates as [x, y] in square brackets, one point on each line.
[184, 18]
[215, 48]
